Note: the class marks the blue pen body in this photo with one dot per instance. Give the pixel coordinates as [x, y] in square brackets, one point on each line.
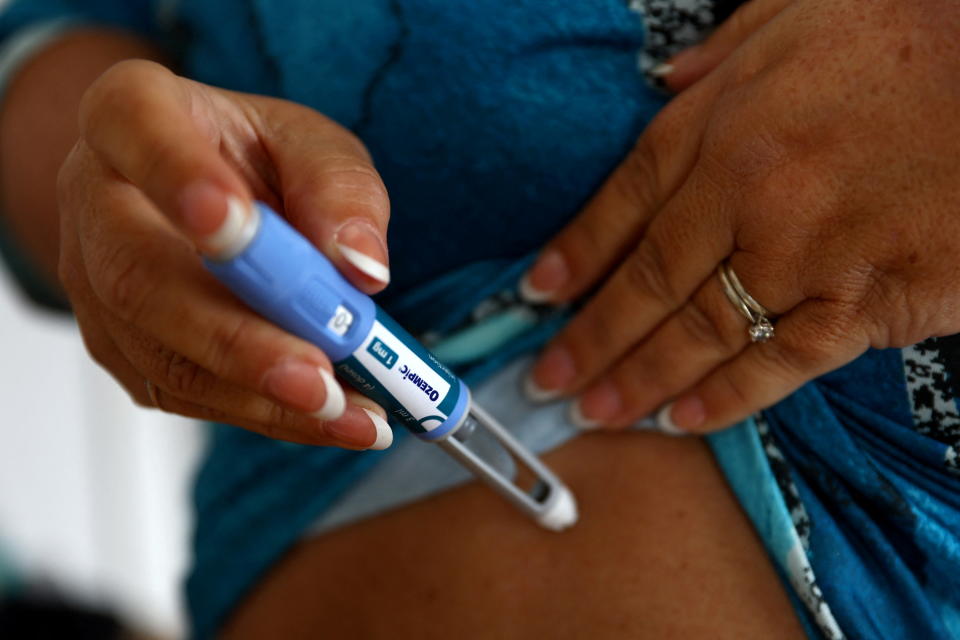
[284, 278]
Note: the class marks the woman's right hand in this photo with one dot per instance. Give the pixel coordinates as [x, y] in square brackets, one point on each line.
[165, 166]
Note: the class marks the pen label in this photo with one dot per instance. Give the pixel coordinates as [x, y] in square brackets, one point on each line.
[404, 378]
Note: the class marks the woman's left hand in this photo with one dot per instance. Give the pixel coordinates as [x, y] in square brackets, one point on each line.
[816, 146]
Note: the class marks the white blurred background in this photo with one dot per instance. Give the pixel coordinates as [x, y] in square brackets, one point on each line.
[94, 492]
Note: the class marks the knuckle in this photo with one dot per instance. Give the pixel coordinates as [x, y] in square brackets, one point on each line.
[646, 274]
[183, 377]
[348, 174]
[120, 90]
[279, 419]
[704, 325]
[126, 282]
[736, 388]
[226, 340]
[637, 179]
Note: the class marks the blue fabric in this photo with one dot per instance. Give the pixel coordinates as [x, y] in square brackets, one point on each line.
[132, 15]
[491, 123]
[884, 508]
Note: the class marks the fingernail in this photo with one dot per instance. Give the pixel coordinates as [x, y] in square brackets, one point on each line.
[598, 404]
[222, 225]
[296, 383]
[554, 370]
[534, 393]
[677, 418]
[384, 432]
[688, 413]
[548, 274]
[662, 70]
[579, 420]
[361, 245]
[335, 402]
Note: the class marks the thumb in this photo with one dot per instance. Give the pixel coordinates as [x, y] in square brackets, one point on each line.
[693, 63]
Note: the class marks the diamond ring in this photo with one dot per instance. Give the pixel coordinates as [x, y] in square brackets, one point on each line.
[761, 320]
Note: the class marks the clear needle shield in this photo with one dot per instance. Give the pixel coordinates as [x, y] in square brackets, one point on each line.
[287, 280]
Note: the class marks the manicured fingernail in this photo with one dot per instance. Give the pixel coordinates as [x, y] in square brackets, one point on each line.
[296, 383]
[535, 394]
[689, 413]
[678, 418]
[335, 402]
[598, 405]
[222, 225]
[361, 245]
[579, 420]
[384, 432]
[662, 70]
[554, 370]
[549, 273]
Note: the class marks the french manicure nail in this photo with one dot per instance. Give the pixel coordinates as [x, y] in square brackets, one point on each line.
[554, 371]
[534, 393]
[579, 420]
[688, 413]
[601, 402]
[222, 225]
[334, 402]
[549, 273]
[384, 432]
[666, 419]
[295, 383]
[665, 422]
[662, 70]
[361, 246]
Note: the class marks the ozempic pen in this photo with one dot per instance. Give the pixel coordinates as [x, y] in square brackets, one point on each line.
[283, 277]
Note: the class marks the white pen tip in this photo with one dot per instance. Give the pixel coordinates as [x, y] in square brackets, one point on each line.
[562, 513]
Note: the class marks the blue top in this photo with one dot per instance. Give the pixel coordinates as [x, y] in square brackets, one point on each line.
[491, 124]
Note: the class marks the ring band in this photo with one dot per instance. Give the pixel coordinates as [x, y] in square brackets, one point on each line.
[760, 319]
[153, 393]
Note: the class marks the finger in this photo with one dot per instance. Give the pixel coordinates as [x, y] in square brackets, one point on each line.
[358, 428]
[816, 337]
[105, 353]
[705, 332]
[145, 275]
[616, 217]
[693, 63]
[181, 128]
[330, 189]
[681, 249]
[182, 387]
[162, 134]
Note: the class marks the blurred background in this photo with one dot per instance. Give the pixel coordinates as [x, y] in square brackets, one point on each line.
[94, 492]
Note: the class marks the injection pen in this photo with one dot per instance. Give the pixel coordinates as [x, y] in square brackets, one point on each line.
[284, 278]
